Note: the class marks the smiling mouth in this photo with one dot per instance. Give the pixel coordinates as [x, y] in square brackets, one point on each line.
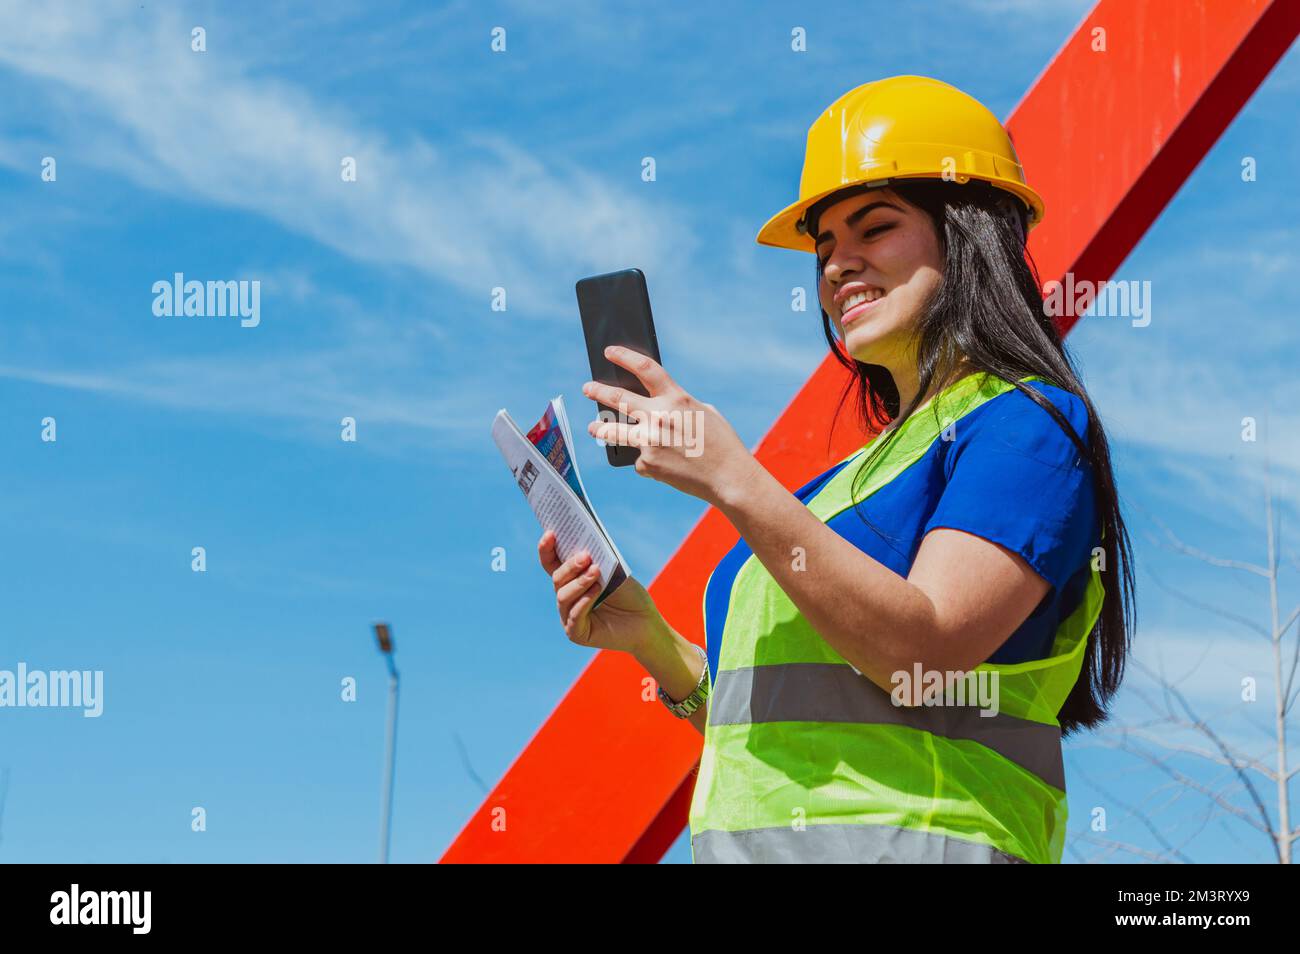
[860, 309]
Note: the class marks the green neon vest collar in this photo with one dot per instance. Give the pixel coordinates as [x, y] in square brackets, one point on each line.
[913, 438]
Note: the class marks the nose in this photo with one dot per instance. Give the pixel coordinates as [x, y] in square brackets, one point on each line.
[842, 265]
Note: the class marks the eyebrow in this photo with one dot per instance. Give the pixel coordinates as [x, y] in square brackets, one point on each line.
[854, 217]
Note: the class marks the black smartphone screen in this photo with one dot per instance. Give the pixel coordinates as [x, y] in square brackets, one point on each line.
[615, 310]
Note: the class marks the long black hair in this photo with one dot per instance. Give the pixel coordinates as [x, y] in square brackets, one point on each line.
[988, 309]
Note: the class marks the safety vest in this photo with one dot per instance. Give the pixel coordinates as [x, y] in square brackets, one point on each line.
[805, 760]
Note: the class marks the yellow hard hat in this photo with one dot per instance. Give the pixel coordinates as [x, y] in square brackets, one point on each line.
[902, 127]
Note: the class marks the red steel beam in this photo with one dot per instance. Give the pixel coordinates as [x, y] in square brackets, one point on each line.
[1107, 136]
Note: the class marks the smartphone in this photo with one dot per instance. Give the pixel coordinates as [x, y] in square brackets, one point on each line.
[615, 310]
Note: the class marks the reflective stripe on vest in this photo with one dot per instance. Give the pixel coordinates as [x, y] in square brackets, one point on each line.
[842, 844]
[805, 760]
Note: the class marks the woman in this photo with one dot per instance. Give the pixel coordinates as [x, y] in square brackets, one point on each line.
[895, 651]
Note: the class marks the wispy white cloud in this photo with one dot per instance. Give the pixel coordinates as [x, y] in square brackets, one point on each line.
[206, 126]
[475, 211]
[319, 388]
[478, 209]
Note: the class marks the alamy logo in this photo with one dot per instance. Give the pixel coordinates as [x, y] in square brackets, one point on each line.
[195, 299]
[102, 907]
[57, 689]
[1105, 299]
[674, 428]
[933, 687]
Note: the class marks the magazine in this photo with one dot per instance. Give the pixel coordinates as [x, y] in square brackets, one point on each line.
[545, 469]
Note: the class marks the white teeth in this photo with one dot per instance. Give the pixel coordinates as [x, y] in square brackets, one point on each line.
[854, 300]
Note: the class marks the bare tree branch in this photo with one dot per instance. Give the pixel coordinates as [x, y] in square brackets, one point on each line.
[1171, 719]
[1195, 785]
[1142, 818]
[1295, 654]
[1295, 614]
[1157, 739]
[1179, 547]
[1208, 607]
[1121, 846]
[1232, 762]
[1213, 736]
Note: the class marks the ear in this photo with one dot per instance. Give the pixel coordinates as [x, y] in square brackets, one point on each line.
[1012, 208]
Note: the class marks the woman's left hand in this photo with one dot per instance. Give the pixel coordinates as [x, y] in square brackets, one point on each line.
[684, 442]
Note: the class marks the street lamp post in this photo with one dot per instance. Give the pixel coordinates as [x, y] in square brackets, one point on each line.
[385, 640]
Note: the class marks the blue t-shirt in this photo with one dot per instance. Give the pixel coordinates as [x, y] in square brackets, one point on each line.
[1010, 475]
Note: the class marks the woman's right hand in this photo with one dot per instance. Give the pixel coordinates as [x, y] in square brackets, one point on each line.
[626, 618]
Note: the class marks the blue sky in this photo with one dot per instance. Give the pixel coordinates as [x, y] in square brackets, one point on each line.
[520, 170]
